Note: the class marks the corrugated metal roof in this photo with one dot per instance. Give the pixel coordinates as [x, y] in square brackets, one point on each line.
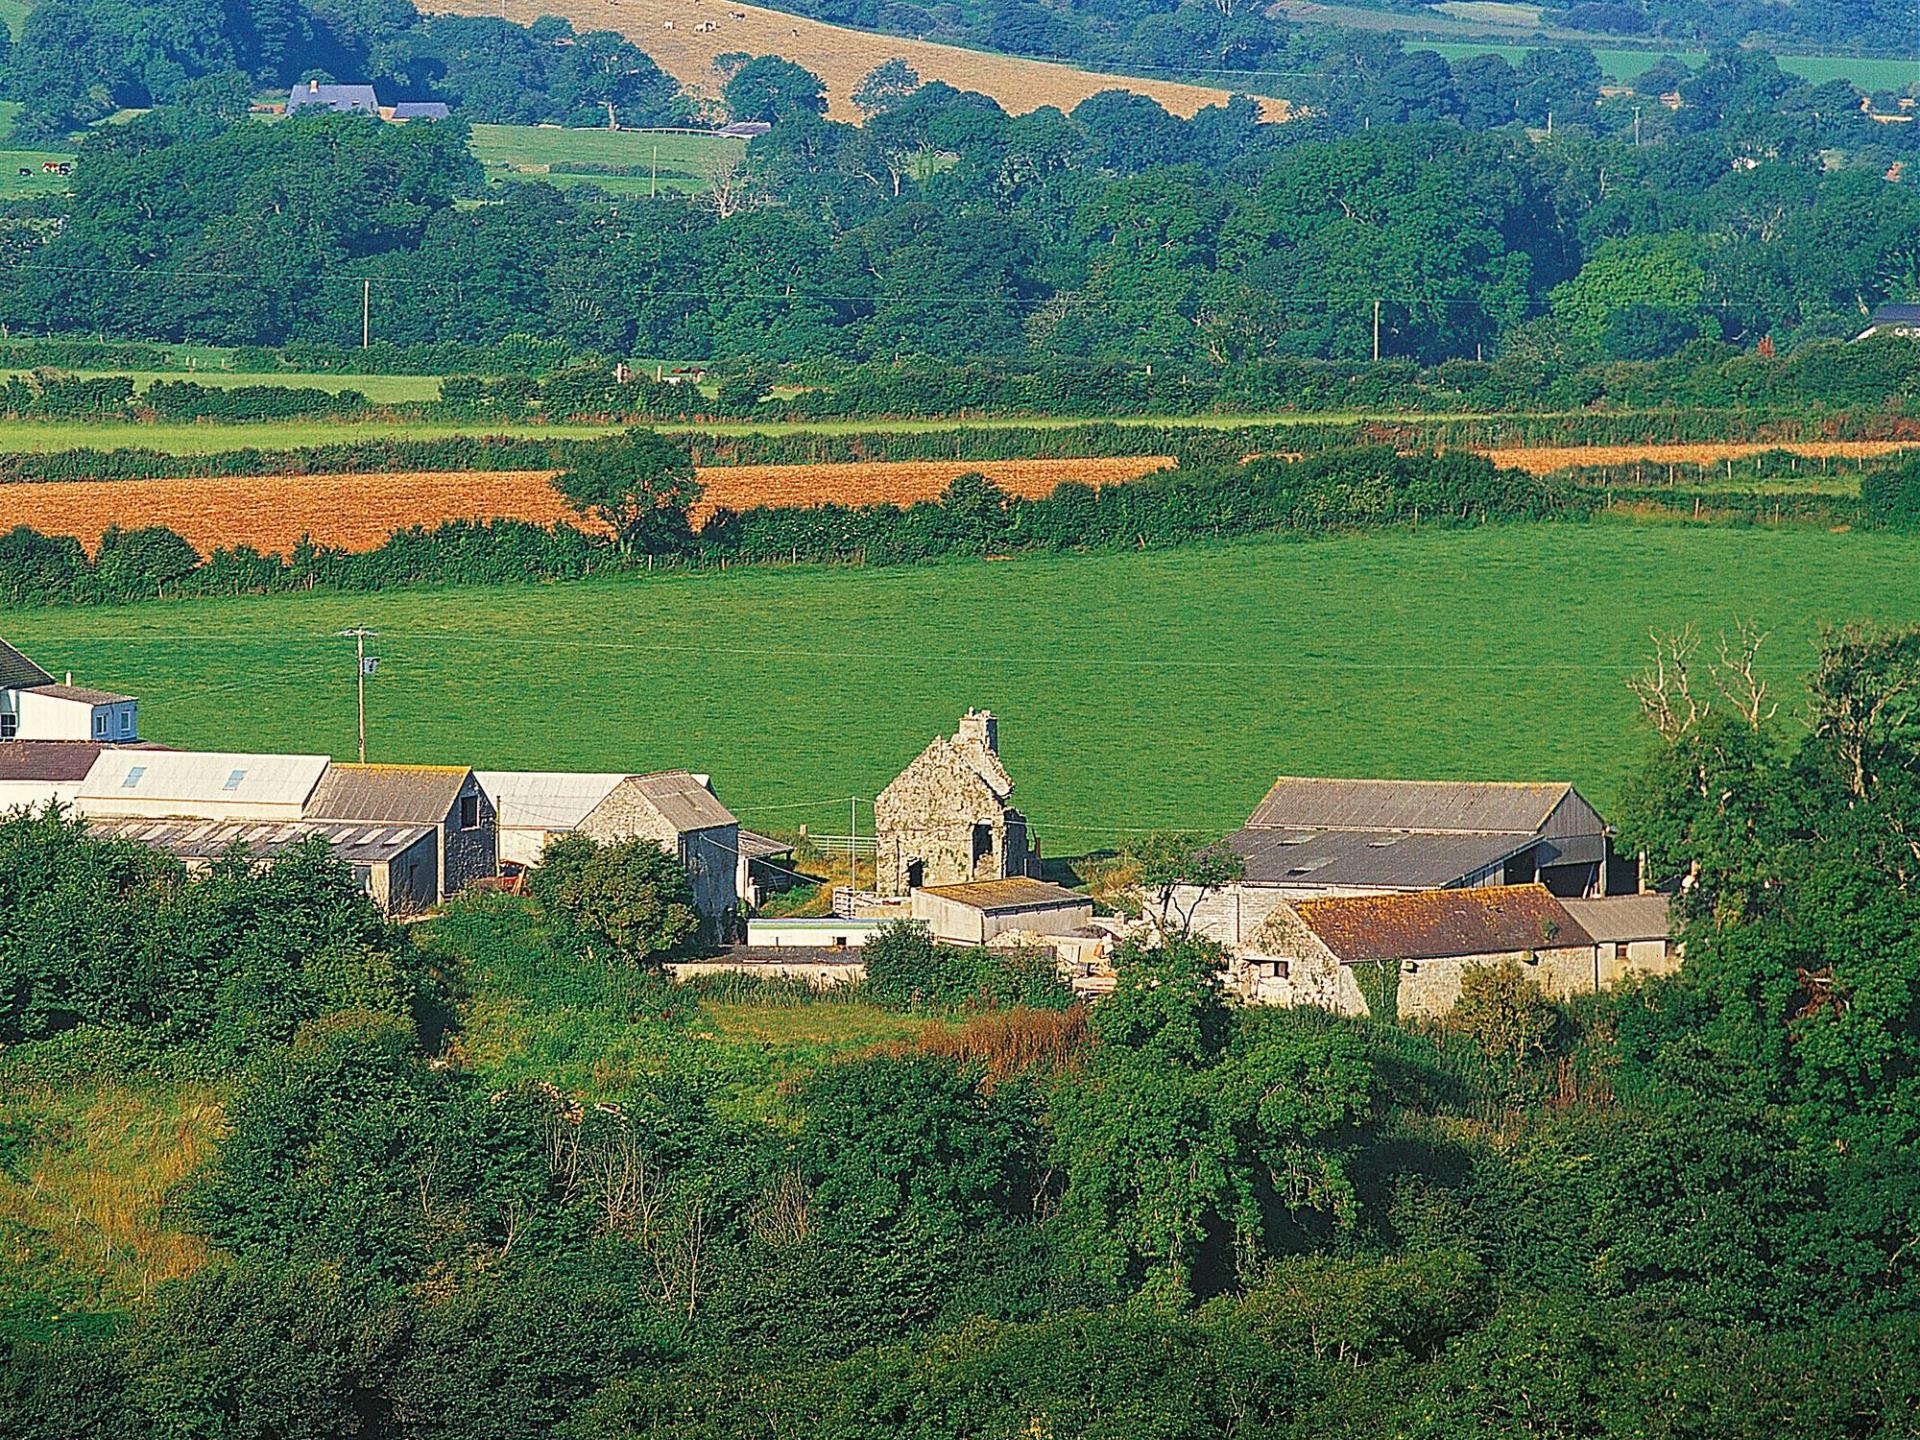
[1437, 924]
[394, 794]
[1617, 918]
[756, 846]
[1434, 805]
[683, 802]
[545, 799]
[19, 673]
[1017, 893]
[190, 777]
[208, 840]
[1391, 859]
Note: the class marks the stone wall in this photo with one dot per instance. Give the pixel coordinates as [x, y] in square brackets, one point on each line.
[940, 812]
[711, 856]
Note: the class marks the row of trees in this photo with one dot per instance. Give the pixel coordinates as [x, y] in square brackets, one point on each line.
[945, 227]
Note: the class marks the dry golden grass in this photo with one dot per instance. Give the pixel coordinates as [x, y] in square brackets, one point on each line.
[98, 1173]
[358, 512]
[839, 56]
[1544, 460]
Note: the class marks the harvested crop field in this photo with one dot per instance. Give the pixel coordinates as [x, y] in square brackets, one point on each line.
[669, 31]
[357, 512]
[1545, 460]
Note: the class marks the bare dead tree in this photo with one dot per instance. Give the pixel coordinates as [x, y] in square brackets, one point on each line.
[731, 189]
[782, 1217]
[1665, 687]
[1737, 679]
[1865, 682]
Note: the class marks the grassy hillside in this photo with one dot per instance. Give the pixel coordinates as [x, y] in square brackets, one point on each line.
[535, 152]
[1163, 689]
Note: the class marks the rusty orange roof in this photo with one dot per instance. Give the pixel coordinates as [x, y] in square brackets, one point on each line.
[1436, 924]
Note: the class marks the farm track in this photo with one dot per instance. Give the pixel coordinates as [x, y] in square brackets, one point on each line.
[838, 55]
[358, 512]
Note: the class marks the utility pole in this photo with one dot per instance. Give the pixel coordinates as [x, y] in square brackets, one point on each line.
[653, 185]
[366, 313]
[1376, 331]
[853, 841]
[1636, 127]
[359, 634]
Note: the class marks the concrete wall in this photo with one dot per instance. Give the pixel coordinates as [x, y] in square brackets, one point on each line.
[811, 932]
[821, 974]
[961, 924]
[408, 884]
[35, 794]
[1640, 957]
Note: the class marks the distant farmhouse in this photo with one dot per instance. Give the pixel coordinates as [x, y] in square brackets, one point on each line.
[316, 95]
[1901, 320]
[1315, 838]
[947, 819]
[34, 707]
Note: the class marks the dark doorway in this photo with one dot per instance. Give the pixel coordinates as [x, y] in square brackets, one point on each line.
[916, 874]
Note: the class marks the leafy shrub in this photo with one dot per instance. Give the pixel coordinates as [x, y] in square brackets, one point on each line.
[906, 970]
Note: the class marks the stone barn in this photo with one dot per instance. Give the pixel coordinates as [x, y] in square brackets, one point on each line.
[1331, 952]
[947, 818]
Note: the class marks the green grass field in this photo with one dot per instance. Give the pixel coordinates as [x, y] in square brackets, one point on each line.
[1164, 689]
[531, 152]
[381, 389]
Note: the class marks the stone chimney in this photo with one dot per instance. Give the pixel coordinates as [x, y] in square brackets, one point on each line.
[979, 727]
[313, 87]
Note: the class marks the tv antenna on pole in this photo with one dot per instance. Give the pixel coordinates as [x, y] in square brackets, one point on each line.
[367, 664]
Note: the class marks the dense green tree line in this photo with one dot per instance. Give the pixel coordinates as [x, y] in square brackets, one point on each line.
[943, 227]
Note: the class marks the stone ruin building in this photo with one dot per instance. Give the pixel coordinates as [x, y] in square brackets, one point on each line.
[946, 820]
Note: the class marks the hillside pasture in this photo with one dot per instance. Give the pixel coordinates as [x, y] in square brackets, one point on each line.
[272, 513]
[684, 159]
[1137, 690]
[838, 55]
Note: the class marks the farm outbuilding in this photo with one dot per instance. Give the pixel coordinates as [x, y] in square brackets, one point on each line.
[947, 819]
[674, 808]
[338, 99]
[447, 799]
[394, 864]
[1632, 935]
[1321, 838]
[1417, 946]
[200, 785]
[974, 913]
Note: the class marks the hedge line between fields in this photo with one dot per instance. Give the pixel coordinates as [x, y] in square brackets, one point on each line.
[1353, 489]
[1189, 445]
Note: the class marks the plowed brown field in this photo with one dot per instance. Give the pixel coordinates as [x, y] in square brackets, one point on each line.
[839, 56]
[358, 512]
[1544, 460]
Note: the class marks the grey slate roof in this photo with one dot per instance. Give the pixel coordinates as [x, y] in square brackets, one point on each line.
[1619, 918]
[19, 673]
[1440, 806]
[1895, 315]
[263, 839]
[344, 99]
[1392, 859]
[388, 794]
[683, 802]
[81, 694]
[421, 110]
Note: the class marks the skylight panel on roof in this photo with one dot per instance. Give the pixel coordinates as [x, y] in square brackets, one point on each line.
[234, 779]
[133, 777]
